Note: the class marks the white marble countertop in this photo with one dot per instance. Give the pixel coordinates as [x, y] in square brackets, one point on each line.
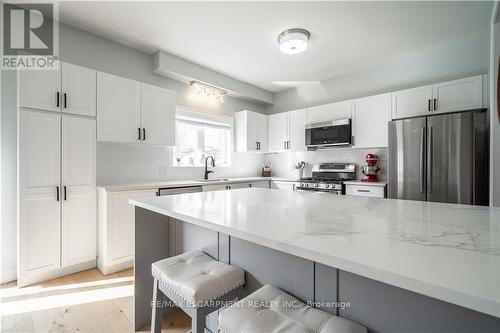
[179, 183]
[359, 182]
[449, 252]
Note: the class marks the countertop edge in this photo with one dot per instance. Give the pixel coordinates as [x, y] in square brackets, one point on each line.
[453, 296]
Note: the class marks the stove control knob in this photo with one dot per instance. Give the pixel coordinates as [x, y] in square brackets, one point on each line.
[301, 185]
[327, 186]
[307, 185]
[316, 185]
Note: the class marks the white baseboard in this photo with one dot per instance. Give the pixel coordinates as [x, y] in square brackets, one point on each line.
[109, 269]
[47, 275]
[8, 276]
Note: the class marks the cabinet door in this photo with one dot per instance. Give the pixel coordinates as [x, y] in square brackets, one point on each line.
[118, 109]
[79, 90]
[370, 121]
[328, 112]
[261, 184]
[261, 129]
[39, 181]
[289, 186]
[210, 188]
[278, 132]
[297, 130]
[458, 95]
[78, 191]
[252, 122]
[122, 223]
[40, 89]
[235, 186]
[412, 102]
[158, 116]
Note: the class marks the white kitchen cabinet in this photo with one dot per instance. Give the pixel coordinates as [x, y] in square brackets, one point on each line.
[251, 131]
[39, 195]
[158, 116]
[118, 109]
[411, 102]
[217, 187]
[278, 132]
[56, 195]
[452, 96]
[283, 185]
[78, 190]
[259, 184]
[297, 120]
[78, 90]
[328, 112]
[286, 131]
[365, 190]
[116, 224]
[129, 111]
[458, 95]
[69, 89]
[371, 117]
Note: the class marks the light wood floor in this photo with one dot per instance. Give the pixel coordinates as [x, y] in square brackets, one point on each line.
[82, 302]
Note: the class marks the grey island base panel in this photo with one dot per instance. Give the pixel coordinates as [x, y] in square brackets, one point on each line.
[378, 306]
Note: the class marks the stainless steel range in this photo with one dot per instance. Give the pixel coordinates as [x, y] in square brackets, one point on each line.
[327, 177]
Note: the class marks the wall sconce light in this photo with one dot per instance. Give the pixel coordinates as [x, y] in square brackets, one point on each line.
[207, 91]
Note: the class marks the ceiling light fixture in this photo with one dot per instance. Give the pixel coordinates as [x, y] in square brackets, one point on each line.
[293, 41]
[207, 91]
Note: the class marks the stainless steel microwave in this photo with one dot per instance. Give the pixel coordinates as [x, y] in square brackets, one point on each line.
[329, 134]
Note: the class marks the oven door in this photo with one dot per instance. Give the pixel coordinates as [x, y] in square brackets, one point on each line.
[335, 133]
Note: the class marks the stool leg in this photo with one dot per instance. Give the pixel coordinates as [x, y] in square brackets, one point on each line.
[155, 312]
[198, 322]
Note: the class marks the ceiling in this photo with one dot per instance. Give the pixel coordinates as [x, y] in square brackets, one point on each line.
[238, 39]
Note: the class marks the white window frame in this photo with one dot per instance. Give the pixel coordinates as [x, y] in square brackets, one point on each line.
[218, 119]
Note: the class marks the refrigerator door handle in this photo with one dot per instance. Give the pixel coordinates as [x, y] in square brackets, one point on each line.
[422, 165]
[430, 158]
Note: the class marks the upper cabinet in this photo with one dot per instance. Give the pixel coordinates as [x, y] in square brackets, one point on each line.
[451, 96]
[70, 89]
[251, 131]
[287, 131]
[328, 112]
[133, 112]
[371, 116]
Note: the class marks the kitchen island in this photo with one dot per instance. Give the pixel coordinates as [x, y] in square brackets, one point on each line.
[393, 265]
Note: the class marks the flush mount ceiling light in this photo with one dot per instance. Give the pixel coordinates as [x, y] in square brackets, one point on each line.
[207, 91]
[293, 41]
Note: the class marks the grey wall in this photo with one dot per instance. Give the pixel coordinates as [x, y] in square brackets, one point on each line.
[448, 62]
[8, 224]
[494, 116]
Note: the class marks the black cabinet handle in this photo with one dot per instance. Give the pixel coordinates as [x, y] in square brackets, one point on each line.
[138, 133]
[363, 190]
[284, 144]
[143, 134]
[57, 99]
[64, 188]
[250, 185]
[435, 104]
[57, 193]
[428, 105]
[65, 100]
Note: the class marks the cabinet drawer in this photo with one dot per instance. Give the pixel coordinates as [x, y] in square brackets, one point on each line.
[365, 191]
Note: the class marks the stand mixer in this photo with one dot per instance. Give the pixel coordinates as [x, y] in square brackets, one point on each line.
[371, 169]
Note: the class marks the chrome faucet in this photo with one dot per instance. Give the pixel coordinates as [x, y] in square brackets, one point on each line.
[207, 172]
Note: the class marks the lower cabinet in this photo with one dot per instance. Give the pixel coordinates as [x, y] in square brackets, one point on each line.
[366, 190]
[283, 185]
[234, 186]
[116, 224]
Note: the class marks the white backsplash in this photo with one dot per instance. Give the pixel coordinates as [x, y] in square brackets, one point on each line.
[282, 163]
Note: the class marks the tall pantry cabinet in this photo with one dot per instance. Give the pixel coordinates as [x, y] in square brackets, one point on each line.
[57, 176]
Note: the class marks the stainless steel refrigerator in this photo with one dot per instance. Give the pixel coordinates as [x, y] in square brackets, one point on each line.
[440, 158]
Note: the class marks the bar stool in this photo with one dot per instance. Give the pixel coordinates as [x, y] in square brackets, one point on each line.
[270, 310]
[197, 284]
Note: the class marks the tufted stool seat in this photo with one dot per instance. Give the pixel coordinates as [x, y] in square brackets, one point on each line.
[271, 310]
[197, 284]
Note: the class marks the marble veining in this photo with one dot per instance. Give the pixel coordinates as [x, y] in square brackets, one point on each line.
[449, 252]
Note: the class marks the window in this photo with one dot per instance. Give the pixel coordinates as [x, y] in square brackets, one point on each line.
[197, 138]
